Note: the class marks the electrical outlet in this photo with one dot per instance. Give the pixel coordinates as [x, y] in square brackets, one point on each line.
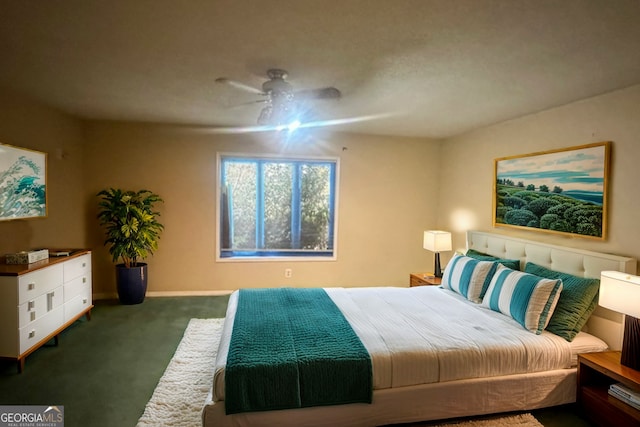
[288, 273]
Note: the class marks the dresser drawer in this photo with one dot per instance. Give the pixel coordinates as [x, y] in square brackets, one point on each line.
[32, 310]
[76, 267]
[78, 303]
[39, 282]
[36, 308]
[76, 286]
[34, 332]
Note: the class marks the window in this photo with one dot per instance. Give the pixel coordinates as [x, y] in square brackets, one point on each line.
[278, 208]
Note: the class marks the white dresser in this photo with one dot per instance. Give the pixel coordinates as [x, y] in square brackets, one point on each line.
[40, 300]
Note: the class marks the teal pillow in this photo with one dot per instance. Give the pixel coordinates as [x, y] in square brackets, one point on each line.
[513, 264]
[528, 299]
[577, 301]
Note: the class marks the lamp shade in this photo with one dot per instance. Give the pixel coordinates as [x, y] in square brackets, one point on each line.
[620, 292]
[437, 241]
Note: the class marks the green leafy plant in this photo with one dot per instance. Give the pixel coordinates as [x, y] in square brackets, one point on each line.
[131, 224]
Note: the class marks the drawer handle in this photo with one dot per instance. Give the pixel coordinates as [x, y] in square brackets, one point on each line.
[84, 280]
[50, 296]
[31, 286]
[33, 316]
[84, 264]
[31, 305]
[84, 300]
[32, 333]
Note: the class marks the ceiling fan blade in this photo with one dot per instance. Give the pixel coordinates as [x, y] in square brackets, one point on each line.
[239, 85]
[241, 129]
[346, 120]
[244, 104]
[304, 125]
[321, 93]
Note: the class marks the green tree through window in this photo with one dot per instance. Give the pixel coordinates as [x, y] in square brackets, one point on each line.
[277, 207]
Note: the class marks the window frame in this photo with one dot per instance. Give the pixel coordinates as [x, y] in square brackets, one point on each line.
[271, 258]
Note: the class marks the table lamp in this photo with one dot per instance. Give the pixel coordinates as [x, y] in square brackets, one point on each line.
[437, 241]
[621, 292]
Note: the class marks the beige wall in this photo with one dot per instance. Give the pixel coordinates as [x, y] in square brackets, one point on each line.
[28, 124]
[391, 189]
[465, 194]
[386, 190]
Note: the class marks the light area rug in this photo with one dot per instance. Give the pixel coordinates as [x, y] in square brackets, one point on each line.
[521, 420]
[182, 390]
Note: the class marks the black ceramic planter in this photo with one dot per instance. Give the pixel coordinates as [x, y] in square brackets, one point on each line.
[132, 283]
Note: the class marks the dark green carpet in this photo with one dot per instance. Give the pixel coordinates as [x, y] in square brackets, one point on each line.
[104, 371]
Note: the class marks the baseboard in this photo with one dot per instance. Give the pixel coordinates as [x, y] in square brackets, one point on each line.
[152, 294]
[187, 293]
[110, 295]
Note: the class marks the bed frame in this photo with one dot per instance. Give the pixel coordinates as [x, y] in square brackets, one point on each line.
[482, 395]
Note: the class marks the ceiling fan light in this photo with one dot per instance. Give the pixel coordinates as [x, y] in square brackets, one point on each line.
[265, 116]
[294, 125]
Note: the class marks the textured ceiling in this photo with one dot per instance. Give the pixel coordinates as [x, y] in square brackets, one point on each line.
[443, 66]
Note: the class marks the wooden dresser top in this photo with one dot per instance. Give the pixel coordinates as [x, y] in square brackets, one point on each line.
[19, 269]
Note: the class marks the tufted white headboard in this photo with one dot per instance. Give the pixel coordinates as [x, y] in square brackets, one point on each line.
[605, 324]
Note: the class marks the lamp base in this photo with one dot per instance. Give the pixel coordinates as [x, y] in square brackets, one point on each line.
[436, 270]
[631, 343]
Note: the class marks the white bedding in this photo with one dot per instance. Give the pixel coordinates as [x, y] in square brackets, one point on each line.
[459, 398]
[427, 334]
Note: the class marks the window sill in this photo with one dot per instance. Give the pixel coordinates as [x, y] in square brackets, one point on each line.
[298, 258]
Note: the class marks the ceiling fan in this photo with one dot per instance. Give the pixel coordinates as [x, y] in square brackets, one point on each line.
[286, 108]
[283, 104]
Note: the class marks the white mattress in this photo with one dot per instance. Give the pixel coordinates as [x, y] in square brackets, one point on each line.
[426, 335]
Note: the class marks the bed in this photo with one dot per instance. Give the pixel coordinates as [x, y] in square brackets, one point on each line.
[414, 381]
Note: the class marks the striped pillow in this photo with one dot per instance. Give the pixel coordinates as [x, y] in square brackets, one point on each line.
[528, 299]
[468, 276]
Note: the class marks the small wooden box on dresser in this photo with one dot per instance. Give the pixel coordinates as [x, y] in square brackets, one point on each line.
[40, 300]
[596, 372]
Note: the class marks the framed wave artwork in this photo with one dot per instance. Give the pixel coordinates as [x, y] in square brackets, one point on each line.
[559, 191]
[23, 183]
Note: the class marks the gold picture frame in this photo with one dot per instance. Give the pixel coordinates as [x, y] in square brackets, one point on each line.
[558, 191]
[23, 183]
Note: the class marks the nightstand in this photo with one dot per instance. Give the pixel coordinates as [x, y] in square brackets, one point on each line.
[596, 371]
[421, 279]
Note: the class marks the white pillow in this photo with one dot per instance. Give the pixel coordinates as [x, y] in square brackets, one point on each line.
[467, 276]
[528, 299]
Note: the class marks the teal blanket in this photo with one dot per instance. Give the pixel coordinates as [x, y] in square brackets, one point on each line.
[293, 348]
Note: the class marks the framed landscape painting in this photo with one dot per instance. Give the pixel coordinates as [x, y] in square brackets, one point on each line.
[559, 191]
[23, 186]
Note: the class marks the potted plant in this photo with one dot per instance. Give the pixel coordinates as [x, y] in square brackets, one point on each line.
[132, 233]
